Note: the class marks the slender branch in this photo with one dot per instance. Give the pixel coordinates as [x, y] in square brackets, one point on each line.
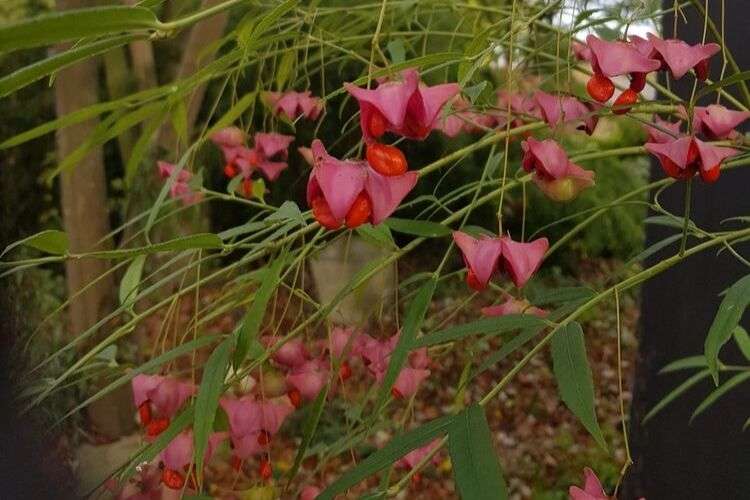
[194, 18]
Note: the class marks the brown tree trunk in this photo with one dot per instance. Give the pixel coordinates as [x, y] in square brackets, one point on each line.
[83, 191]
[84, 207]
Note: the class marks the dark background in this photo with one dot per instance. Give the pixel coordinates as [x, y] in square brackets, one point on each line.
[710, 458]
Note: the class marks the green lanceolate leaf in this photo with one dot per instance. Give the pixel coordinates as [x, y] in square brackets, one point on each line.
[254, 315]
[50, 241]
[485, 326]
[141, 146]
[743, 341]
[719, 392]
[234, 113]
[423, 228]
[676, 392]
[387, 455]
[397, 50]
[415, 314]
[179, 117]
[685, 364]
[475, 467]
[57, 27]
[131, 280]
[574, 380]
[379, 235]
[562, 295]
[288, 211]
[472, 61]
[207, 400]
[284, 70]
[29, 74]
[736, 300]
[200, 241]
[62, 122]
[726, 82]
[112, 127]
[248, 35]
[648, 252]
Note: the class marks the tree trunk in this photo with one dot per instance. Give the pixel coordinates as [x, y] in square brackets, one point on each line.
[84, 207]
[83, 191]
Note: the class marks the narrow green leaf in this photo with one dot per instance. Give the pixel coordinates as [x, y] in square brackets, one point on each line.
[685, 364]
[234, 113]
[380, 235]
[726, 82]
[288, 210]
[141, 146]
[284, 70]
[205, 241]
[397, 50]
[736, 300]
[561, 295]
[180, 121]
[259, 189]
[415, 314]
[131, 280]
[485, 326]
[583, 15]
[50, 241]
[468, 66]
[64, 121]
[207, 400]
[387, 455]
[247, 37]
[248, 332]
[48, 29]
[33, 72]
[475, 467]
[574, 380]
[248, 227]
[475, 91]
[422, 228]
[648, 252]
[743, 341]
[719, 392]
[674, 221]
[675, 393]
[103, 133]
